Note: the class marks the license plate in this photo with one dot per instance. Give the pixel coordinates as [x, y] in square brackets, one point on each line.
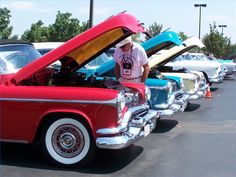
[147, 130]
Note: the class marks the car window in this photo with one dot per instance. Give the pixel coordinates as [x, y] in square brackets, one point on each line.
[17, 56]
[100, 60]
[179, 58]
[44, 51]
[110, 52]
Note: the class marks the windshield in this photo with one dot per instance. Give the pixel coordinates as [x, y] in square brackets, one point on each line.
[43, 51]
[179, 58]
[97, 62]
[100, 60]
[190, 57]
[15, 56]
[200, 57]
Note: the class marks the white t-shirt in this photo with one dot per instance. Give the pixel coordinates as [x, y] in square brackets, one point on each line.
[131, 62]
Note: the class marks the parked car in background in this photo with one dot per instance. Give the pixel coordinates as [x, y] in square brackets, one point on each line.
[194, 84]
[69, 115]
[45, 47]
[213, 70]
[229, 68]
[16, 54]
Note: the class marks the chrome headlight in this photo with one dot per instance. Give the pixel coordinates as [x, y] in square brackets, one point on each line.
[147, 93]
[169, 88]
[132, 97]
[181, 81]
[120, 103]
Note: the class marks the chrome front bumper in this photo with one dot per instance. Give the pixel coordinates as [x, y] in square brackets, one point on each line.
[200, 93]
[165, 108]
[182, 101]
[131, 129]
[218, 79]
[177, 102]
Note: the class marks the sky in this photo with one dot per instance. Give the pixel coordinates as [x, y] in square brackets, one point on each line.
[178, 15]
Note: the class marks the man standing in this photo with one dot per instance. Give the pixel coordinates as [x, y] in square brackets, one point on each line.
[131, 62]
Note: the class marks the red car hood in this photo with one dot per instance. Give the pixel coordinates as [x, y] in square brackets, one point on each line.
[85, 46]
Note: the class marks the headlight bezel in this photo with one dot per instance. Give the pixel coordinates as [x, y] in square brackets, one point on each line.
[181, 82]
[147, 93]
[169, 88]
[120, 104]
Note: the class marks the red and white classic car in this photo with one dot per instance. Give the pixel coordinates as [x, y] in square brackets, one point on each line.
[72, 115]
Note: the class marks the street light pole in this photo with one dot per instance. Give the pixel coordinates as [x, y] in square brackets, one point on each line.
[200, 11]
[91, 14]
[222, 26]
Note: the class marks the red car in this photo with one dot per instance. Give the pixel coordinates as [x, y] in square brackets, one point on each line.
[71, 114]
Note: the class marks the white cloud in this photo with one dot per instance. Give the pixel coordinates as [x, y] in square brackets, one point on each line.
[24, 6]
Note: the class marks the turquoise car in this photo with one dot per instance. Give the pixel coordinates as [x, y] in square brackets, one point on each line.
[167, 94]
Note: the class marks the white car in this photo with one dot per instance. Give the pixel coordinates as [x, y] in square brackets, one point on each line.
[45, 47]
[229, 68]
[213, 70]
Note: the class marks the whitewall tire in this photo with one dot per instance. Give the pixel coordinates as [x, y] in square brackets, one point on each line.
[67, 141]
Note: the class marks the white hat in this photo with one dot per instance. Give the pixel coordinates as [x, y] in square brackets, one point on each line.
[125, 41]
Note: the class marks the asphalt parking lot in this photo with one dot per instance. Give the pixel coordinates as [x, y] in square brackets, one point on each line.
[198, 142]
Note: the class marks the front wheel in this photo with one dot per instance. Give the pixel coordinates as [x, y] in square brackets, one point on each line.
[67, 141]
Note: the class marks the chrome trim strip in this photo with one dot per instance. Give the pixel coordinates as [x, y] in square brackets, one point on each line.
[159, 87]
[14, 141]
[109, 102]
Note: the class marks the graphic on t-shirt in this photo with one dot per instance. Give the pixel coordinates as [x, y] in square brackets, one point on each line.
[127, 64]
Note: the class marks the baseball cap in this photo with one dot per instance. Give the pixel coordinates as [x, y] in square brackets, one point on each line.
[125, 41]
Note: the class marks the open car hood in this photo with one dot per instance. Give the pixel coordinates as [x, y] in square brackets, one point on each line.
[167, 55]
[151, 46]
[85, 46]
[161, 41]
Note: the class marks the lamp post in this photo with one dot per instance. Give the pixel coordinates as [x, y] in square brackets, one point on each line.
[91, 14]
[222, 26]
[199, 5]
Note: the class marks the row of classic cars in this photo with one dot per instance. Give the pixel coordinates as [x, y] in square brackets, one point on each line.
[68, 98]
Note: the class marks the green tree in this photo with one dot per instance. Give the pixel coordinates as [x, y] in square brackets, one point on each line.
[215, 43]
[136, 37]
[65, 27]
[230, 49]
[37, 33]
[154, 29]
[183, 36]
[15, 37]
[84, 26]
[5, 29]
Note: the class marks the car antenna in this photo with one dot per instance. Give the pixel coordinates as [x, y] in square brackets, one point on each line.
[117, 14]
[166, 30]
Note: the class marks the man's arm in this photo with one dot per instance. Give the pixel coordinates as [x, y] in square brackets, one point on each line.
[117, 71]
[145, 72]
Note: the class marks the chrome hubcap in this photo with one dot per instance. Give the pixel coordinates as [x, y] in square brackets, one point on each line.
[68, 141]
